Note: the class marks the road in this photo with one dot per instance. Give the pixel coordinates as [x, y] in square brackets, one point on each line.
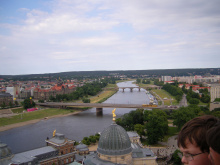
[183, 102]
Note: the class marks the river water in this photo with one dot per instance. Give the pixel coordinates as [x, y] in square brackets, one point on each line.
[74, 127]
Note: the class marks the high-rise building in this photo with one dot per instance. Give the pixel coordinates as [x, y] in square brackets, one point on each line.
[166, 78]
[215, 91]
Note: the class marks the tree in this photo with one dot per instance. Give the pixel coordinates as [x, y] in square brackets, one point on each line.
[138, 81]
[129, 120]
[92, 139]
[205, 98]
[86, 141]
[194, 101]
[10, 104]
[86, 100]
[181, 116]
[16, 102]
[28, 103]
[139, 129]
[3, 105]
[157, 126]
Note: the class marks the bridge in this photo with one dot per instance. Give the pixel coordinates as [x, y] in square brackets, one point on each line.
[139, 88]
[99, 106]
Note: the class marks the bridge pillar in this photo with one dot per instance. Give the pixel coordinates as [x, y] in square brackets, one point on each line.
[123, 89]
[131, 89]
[99, 111]
[139, 89]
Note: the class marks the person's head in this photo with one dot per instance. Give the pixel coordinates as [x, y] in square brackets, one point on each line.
[192, 140]
[213, 140]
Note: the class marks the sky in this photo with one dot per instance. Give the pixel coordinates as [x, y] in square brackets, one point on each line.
[50, 36]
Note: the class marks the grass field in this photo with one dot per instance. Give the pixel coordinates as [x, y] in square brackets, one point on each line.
[163, 94]
[33, 115]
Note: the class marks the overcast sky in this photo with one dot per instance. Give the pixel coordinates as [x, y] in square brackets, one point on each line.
[49, 36]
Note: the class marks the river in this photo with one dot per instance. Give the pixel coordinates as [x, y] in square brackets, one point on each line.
[74, 127]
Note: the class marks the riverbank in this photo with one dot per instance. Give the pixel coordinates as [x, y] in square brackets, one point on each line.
[15, 120]
[20, 124]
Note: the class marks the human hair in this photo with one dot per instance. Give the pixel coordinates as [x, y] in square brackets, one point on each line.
[195, 131]
[213, 137]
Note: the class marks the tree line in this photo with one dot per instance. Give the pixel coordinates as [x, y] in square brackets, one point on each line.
[83, 92]
[128, 73]
[191, 96]
[153, 125]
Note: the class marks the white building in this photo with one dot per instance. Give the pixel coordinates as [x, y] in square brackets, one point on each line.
[166, 78]
[215, 91]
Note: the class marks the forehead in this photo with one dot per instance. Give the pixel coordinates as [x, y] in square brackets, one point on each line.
[190, 147]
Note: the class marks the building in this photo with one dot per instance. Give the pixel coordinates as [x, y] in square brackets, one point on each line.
[115, 147]
[166, 78]
[214, 105]
[59, 88]
[215, 91]
[59, 151]
[6, 99]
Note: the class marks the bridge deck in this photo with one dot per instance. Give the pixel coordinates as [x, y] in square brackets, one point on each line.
[103, 105]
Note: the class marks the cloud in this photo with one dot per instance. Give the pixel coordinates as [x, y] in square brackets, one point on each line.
[99, 35]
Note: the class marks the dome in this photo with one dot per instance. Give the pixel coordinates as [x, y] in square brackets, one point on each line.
[4, 151]
[114, 140]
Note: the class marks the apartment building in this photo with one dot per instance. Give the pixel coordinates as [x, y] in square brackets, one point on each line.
[215, 91]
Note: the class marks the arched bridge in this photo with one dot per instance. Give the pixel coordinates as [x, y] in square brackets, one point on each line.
[139, 88]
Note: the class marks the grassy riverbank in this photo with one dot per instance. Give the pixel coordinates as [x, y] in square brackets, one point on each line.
[40, 114]
[20, 117]
[168, 99]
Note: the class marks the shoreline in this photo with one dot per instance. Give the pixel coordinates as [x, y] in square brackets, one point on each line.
[11, 126]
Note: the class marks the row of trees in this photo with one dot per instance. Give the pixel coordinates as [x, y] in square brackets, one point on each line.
[154, 124]
[10, 105]
[143, 81]
[83, 92]
[174, 91]
[192, 97]
[184, 114]
[91, 139]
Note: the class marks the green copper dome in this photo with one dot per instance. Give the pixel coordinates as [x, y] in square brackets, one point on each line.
[114, 140]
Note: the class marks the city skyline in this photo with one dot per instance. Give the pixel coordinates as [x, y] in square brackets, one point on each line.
[61, 35]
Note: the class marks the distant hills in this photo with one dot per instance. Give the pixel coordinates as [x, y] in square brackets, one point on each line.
[128, 73]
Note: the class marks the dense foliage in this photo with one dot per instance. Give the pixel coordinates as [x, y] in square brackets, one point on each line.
[174, 91]
[154, 123]
[91, 139]
[184, 114]
[129, 120]
[82, 92]
[28, 103]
